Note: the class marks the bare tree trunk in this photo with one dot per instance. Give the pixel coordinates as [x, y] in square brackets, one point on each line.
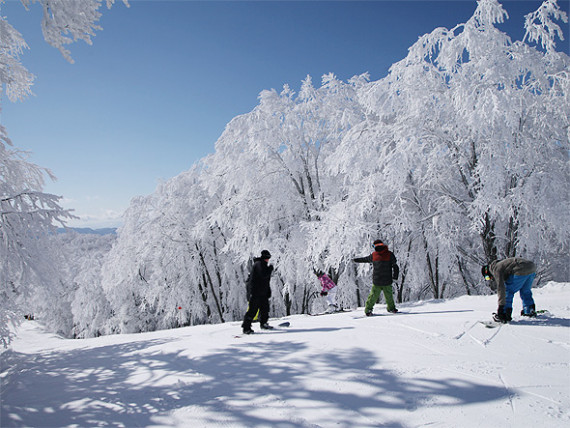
[463, 276]
[488, 239]
[209, 282]
[433, 271]
[403, 273]
[512, 236]
[288, 303]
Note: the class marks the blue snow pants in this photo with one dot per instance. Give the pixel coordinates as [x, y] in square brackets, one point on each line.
[522, 284]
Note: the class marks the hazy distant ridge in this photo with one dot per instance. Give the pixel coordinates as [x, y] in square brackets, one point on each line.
[89, 231]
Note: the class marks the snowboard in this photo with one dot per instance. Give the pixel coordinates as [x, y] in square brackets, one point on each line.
[495, 324]
[330, 313]
[379, 315]
[491, 323]
[279, 326]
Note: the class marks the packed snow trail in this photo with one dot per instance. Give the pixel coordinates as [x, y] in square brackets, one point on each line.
[425, 368]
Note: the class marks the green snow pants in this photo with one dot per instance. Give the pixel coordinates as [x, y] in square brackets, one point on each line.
[375, 294]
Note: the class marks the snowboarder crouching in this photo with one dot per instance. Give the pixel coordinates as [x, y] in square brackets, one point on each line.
[385, 269]
[512, 275]
[258, 293]
[328, 290]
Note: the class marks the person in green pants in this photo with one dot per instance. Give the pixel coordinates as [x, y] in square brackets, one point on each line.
[385, 269]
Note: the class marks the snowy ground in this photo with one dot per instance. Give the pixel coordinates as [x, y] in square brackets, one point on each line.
[434, 366]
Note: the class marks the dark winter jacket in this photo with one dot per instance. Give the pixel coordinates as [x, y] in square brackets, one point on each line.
[502, 269]
[385, 267]
[258, 282]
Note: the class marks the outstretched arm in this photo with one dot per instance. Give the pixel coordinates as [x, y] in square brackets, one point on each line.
[367, 259]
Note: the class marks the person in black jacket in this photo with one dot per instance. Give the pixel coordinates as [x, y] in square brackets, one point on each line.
[385, 269]
[258, 293]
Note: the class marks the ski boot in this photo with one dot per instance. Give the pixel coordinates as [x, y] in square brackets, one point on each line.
[529, 311]
[331, 309]
[503, 315]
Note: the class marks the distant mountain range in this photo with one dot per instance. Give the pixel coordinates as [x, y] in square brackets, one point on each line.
[89, 231]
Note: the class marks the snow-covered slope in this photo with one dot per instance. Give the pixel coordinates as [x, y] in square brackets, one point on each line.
[433, 365]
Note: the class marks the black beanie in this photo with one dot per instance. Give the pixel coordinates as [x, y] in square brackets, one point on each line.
[265, 254]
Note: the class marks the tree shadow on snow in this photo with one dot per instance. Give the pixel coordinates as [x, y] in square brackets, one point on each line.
[137, 384]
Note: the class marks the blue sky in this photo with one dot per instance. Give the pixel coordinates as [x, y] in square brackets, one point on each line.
[154, 92]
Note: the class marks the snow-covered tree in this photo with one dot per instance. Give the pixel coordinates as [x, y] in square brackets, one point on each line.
[458, 156]
[78, 307]
[278, 187]
[28, 215]
[468, 134]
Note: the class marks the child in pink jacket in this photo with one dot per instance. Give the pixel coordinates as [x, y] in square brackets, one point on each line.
[328, 290]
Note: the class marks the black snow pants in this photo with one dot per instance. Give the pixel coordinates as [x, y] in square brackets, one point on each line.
[260, 304]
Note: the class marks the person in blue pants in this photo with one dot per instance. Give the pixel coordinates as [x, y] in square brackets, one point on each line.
[511, 276]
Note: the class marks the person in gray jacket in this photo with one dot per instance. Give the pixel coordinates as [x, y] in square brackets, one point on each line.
[512, 275]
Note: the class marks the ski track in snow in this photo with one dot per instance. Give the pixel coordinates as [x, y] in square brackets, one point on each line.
[464, 332]
[510, 394]
[488, 340]
[435, 366]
